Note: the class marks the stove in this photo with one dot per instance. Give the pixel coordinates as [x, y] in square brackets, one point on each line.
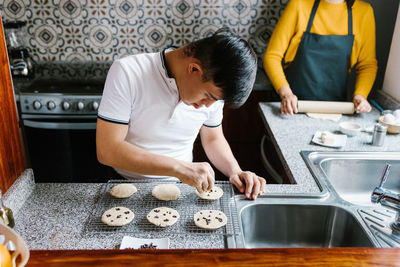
[61, 97]
[58, 111]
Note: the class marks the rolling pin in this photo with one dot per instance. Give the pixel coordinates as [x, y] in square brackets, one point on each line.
[325, 107]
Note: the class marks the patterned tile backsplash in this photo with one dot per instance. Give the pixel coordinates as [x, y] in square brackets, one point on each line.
[104, 30]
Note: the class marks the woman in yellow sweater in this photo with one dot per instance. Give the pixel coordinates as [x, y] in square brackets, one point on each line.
[313, 48]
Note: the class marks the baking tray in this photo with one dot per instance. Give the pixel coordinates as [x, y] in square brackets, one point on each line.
[142, 202]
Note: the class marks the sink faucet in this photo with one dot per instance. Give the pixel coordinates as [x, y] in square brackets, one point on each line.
[388, 198]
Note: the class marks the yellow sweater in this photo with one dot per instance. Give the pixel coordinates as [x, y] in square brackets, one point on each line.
[330, 19]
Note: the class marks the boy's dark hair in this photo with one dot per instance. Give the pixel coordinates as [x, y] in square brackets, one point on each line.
[229, 62]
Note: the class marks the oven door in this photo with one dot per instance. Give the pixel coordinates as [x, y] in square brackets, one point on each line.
[63, 148]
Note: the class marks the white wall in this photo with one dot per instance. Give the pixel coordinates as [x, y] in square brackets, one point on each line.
[391, 81]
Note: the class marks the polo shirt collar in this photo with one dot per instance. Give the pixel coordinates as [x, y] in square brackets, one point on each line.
[164, 61]
[169, 80]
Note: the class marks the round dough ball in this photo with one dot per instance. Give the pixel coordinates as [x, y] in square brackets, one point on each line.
[117, 216]
[327, 138]
[163, 216]
[215, 193]
[166, 192]
[210, 219]
[123, 190]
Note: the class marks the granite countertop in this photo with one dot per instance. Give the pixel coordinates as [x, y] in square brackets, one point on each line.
[293, 134]
[54, 216]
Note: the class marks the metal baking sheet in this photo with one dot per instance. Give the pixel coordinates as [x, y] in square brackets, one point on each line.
[142, 202]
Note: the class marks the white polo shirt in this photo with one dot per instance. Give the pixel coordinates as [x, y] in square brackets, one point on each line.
[138, 92]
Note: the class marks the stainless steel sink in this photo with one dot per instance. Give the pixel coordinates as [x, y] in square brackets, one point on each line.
[341, 216]
[291, 225]
[350, 178]
[354, 175]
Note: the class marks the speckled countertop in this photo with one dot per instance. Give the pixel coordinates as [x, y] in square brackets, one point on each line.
[53, 215]
[293, 134]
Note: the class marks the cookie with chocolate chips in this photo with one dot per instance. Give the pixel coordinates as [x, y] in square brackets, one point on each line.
[210, 219]
[215, 193]
[163, 216]
[117, 216]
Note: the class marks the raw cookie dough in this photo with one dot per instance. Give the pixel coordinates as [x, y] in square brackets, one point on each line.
[123, 190]
[325, 116]
[210, 219]
[327, 138]
[215, 193]
[163, 216]
[166, 192]
[117, 216]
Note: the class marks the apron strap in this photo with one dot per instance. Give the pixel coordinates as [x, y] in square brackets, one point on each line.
[350, 19]
[314, 10]
[312, 15]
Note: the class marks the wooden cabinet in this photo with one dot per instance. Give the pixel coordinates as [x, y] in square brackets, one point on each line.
[12, 162]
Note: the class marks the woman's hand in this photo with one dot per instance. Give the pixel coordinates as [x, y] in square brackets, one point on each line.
[361, 104]
[289, 100]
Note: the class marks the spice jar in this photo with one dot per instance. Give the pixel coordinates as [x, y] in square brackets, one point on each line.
[378, 137]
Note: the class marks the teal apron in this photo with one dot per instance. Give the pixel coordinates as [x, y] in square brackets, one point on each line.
[319, 70]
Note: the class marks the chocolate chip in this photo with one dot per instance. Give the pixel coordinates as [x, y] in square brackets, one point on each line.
[119, 216]
[156, 217]
[127, 212]
[108, 215]
[166, 220]
[156, 211]
[151, 245]
[117, 209]
[219, 219]
[173, 216]
[207, 220]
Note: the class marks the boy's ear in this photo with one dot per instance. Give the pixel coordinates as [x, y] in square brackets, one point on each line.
[194, 67]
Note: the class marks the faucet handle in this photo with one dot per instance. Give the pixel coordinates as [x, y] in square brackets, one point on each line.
[379, 191]
[385, 174]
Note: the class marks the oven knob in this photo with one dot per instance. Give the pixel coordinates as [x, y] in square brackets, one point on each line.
[95, 105]
[51, 105]
[37, 105]
[80, 105]
[65, 105]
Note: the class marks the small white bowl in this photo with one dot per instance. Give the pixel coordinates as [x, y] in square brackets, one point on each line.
[350, 128]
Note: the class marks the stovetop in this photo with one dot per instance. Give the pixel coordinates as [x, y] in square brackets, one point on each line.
[71, 78]
[65, 87]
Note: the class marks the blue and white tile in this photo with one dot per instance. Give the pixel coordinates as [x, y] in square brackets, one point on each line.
[16, 10]
[154, 35]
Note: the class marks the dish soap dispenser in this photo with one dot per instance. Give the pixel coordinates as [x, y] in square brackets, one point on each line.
[6, 215]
